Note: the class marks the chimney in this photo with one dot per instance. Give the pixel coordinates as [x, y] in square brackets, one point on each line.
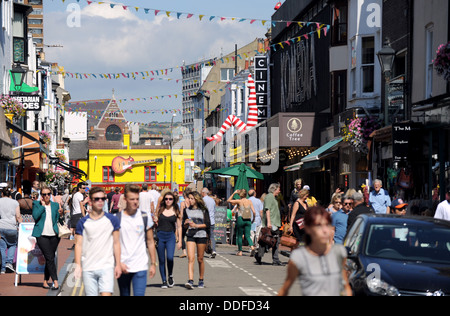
[247, 64]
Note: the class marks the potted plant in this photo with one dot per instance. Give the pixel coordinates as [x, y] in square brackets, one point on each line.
[442, 61]
[45, 137]
[13, 108]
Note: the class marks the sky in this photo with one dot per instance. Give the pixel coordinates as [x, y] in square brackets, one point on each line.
[98, 39]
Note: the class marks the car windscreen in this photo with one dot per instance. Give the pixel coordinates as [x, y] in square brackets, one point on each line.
[417, 243]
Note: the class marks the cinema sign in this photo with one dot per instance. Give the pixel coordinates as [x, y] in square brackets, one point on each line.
[30, 102]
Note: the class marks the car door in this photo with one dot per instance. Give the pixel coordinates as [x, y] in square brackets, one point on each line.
[353, 245]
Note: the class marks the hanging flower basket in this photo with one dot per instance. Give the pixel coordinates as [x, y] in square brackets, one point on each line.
[442, 61]
[358, 131]
[12, 107]
[57, 179]
[45, 137]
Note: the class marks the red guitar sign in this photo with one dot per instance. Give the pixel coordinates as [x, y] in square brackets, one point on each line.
[120, 164]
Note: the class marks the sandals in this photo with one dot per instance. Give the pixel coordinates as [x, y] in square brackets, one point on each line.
[239, 254]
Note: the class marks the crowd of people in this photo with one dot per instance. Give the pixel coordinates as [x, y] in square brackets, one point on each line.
[125, 236]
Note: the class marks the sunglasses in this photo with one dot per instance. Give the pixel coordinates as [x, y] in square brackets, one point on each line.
[99, 199]
[46, 194]
[348, 203]
[168, 199]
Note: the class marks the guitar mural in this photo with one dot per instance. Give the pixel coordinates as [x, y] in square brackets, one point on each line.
[120, 164]
[232, 120]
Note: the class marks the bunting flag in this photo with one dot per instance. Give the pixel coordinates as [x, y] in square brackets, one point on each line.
[188, 15]
[320, 28]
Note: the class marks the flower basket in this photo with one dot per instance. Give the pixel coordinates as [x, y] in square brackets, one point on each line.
[358, 131]
[12, 107]
[45, 137]
[442, 61]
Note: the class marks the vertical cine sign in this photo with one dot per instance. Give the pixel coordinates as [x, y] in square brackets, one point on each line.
[261, 86]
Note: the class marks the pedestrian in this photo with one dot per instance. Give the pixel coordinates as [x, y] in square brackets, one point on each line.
[359, 207]
[211, 205]
[298, 213]
[298, 185]
[155, 197]
[183, 205]
[97, 247]
[9, 220]
[136, 235]
[46, 215]
[168, 229]
[311, 199]
[36, 189]
[319, 265]
[245, 213]
[379, 198]
[443, 209]
[258, 207]
[114, 207]
[196, 220]
[398, 207]
[336, 204]
[78, 207]
[272, 219]
[340, 219]
[145, 200]
[26, 204]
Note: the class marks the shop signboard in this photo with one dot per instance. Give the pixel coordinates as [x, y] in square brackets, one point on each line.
[221, 225]
[30, 102]
[401, 135]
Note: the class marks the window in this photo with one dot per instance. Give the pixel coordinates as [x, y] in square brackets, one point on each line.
[108, 174]
[339, 29]
[19, 42]
[188, 172]
[150, 173]
[429, 62]
[226, 74]
[113, 133]
[368, 64]
[338, 93]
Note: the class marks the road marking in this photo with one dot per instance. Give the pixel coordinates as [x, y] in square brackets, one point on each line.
[218, 264]
[254, 291]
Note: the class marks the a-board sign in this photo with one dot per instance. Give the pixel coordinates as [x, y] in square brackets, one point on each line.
[30, 259]
[220, 228]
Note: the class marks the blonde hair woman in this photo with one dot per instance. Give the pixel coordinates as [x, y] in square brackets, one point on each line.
[298, 212]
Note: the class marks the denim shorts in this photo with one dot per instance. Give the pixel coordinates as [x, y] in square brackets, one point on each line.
[98, 281]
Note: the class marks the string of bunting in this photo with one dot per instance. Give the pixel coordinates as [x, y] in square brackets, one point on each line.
[187, 15]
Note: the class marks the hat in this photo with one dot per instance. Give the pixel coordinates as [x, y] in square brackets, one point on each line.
[398, 203]
[306, 187]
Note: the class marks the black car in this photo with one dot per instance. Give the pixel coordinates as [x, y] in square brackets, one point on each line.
[397, 255]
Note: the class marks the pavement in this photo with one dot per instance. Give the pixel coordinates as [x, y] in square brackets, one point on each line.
[225, 275]
[31, 285]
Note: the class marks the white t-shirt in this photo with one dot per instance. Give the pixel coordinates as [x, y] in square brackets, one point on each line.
[76, 200]
[145, 198]
[443, 211]
[133, 241]
[155, 196]
[98, 242]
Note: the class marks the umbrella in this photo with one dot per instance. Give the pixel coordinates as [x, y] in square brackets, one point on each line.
[242, 172]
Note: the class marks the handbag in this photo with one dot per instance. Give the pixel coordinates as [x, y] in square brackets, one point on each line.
[64, 231]
[288, 240]
[266, 238]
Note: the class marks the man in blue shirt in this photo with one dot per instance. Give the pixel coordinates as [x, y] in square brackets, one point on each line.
[339, 220]
[211, 205]
[379, 199]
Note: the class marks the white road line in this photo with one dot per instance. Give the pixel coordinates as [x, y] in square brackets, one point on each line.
[254, 291]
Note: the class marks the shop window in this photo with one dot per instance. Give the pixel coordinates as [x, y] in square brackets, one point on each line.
[150, 173]
[108, 174]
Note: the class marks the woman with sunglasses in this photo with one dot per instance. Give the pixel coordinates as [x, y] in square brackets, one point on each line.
[168, 230]
[46, 215]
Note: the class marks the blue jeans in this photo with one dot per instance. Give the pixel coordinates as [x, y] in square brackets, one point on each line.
[139, 280]
[166, 244]
[8, 241]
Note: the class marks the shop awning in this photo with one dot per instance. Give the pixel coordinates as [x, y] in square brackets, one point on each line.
[25, 134]
[322, 151]
[294, 167]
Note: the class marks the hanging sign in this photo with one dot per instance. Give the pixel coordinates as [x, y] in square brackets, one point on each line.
[261, 86]
[30, 102]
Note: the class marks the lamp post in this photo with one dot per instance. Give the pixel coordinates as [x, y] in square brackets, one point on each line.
[386, 58]
[18, 76]
[171, 151]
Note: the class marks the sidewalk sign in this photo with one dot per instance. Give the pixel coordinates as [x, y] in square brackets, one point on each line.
[30, 259]
[220, 228]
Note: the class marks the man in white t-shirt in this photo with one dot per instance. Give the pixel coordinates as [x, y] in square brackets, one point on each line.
[97, 249]
[145, 200]
[133, 237]
[443, 209]
[78, 210]
[155, 196]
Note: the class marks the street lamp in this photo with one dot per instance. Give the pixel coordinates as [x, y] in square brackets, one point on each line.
[18, 76]
[171, 151]
[386, 58]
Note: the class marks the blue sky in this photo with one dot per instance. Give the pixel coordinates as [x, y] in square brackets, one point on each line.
[116, 40]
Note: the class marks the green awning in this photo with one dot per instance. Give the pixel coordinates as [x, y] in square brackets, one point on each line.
[319, 153]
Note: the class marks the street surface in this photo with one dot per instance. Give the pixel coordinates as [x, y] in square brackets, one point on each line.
[225, 275]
